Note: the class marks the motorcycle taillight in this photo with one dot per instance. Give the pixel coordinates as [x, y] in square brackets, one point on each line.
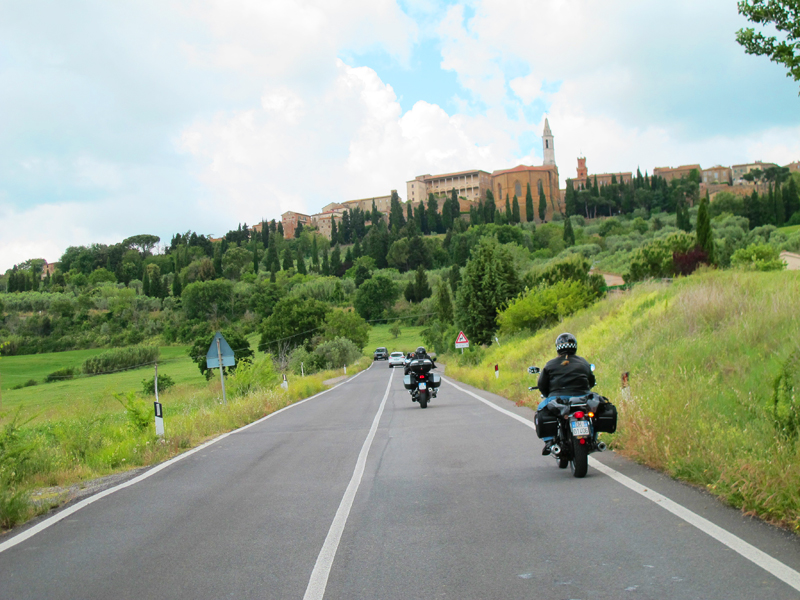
[422, 376]
[579, 414]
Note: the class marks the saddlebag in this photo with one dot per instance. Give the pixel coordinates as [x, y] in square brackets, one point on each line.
[546, 423]
[605, 419]
[410, 384]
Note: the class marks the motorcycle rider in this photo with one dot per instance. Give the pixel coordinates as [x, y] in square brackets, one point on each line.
[419, 354]
[566, 376]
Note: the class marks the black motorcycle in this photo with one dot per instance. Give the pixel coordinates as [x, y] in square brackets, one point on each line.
[574, 423]
[419, 380]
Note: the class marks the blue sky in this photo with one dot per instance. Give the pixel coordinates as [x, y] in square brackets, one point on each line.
[159, 117]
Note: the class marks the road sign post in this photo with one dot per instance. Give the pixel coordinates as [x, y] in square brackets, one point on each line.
[220, 355]
[157, 407]
[462, 341]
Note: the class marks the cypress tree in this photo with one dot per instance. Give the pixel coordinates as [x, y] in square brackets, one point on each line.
[508, 209]
[489, 208]
[454, 278]
[569, 234]
[543, 203]
[434, 218]
[336, 260]
[358, 252]
[396, 213]
[444, 306]
[280, 228]
[288, 260]
[146, 283]
[515, 217]
[255, 258]
[176, 286]
[218, 259]
[780, 211]
[334, 231]
[705, 237]
[528, 205]
[301, 264]
[455, 206]
[265, 234]
[791, 198]
[326, 268]
[409, 212]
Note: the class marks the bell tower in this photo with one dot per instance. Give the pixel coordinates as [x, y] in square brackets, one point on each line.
[549, 152]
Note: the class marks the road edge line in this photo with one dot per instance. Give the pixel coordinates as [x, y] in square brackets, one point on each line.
[758, 557]
[63, 514]
[318, 581]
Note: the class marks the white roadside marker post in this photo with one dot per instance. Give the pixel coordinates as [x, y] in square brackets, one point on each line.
[157, 407]
[221, 375]
[497, 371]
[285, 383]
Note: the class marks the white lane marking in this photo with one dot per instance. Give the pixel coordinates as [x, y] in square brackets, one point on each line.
[322, 568]
[748, 551]
[50, 521]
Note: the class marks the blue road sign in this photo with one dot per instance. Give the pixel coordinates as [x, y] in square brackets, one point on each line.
[212, 357]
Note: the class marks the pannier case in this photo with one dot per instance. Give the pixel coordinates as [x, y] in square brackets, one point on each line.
[436, 381]
[605, 419]
[546, 423]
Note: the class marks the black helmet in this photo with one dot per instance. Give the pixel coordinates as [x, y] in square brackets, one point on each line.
[421, 351]
[566, 344]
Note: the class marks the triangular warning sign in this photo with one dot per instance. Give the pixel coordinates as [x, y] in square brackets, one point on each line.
[461, 339]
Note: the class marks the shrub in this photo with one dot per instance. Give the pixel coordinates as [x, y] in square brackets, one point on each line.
[303, 361]
[254, 376]
[139, 412]
[545, 305]
[149, 385]
[337, 353]
[120, 359]
[60, 375]
[758, 257]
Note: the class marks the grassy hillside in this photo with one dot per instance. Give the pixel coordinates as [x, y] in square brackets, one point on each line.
[408, 340]
[714, 363]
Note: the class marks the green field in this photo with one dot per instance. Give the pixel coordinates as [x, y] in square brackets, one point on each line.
[789, 230]
[82, 395]
[410, 337]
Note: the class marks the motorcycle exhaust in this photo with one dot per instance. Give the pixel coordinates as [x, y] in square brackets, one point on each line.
[556, 449]
[601, 446]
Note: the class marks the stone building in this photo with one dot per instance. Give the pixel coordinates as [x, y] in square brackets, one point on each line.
[794, 167]
[738, 171]
[290, 220]
[324, 221]
[471, 185]
[718, 174]
[602, 178]
[670, 173]
[515, 182]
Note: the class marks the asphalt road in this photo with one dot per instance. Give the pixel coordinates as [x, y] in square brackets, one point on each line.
[454, 501]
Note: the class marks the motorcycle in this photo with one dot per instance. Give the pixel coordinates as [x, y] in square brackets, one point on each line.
[574, 423]
[420, 382]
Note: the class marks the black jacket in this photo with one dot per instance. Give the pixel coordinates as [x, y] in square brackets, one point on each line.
[573, 379]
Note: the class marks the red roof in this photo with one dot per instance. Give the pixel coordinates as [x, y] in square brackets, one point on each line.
[522, 168]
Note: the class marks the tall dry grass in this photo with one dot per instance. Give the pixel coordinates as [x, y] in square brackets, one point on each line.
[703, 355]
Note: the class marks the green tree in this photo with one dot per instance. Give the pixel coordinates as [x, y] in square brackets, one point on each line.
[418, 289]
[293, 322]
[396, 218]
[395, 329]
[146, 283]
[348, 324]
[444, 306]
[455, 278]
[528, 205]
[489, 208]
[288, 260]
[204, 299]
[705, 236]
[326, 267]
[543, 202]
[489, 282]
[569, 233]
[336, 261]
[375, 297]
[783, 16]
[515, 216]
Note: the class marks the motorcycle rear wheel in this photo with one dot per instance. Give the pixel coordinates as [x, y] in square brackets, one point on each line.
[580, 459]
[423, 400]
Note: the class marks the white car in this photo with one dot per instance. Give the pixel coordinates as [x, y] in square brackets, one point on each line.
[396, 359]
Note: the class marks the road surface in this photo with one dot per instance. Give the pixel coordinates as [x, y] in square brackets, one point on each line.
[359, 493]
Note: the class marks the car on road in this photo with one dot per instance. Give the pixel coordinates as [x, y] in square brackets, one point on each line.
[397, 359]
[381, 354]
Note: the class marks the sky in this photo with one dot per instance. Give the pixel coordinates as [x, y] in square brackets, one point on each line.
[163, 116]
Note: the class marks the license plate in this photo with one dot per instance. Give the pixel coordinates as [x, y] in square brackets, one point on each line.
[580, 427]
[423, 386]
